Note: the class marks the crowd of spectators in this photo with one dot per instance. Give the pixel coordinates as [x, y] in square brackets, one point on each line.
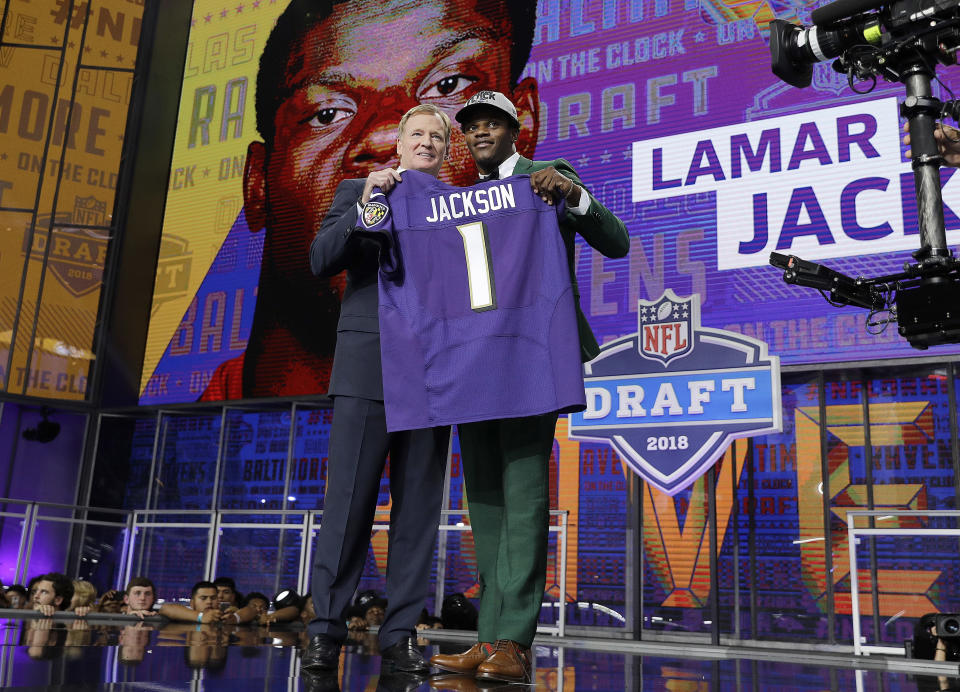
[198, 622]
[211, 602]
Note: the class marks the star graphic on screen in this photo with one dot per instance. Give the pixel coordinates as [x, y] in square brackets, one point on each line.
[54, 39]
[256, 4]
[87, 49]
[699, 37]
[206, 172]
[583, 161]
[193, 23]
[628, 153]
[224, 12]
[104, 54]
[3, 156]
[72, 44]
[239, 8]
[207, 17]
[119, 58]
[605, 156]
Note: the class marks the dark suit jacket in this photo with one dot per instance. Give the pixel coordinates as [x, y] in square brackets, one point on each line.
[602, 230]
[335, 248]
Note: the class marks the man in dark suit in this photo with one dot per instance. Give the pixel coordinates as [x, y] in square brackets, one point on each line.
[505, 462]
[359, 441]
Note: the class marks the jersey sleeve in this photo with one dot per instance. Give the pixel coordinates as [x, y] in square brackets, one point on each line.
[376, 223]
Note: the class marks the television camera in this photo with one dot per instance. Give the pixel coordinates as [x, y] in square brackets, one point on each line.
[900, 41]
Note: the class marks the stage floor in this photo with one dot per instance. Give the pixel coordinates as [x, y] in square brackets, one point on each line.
[77, 656]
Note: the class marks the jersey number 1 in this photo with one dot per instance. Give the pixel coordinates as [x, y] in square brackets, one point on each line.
[483, 295]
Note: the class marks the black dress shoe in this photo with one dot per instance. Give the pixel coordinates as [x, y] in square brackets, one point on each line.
[319, 681]
[404, 656]
[323, 653]
[398, 681]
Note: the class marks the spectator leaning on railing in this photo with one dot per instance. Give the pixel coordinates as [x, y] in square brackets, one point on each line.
[139, 597]
[206, 607]
[202, 609]
[51, 592]
[227, 594]
[84, 597]
[17, 597]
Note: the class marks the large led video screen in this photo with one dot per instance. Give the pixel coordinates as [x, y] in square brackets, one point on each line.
[667, 109]
[66, 83]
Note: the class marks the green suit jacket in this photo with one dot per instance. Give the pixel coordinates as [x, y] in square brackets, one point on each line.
[602, 230]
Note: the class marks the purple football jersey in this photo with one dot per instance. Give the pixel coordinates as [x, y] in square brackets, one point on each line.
[477, 319]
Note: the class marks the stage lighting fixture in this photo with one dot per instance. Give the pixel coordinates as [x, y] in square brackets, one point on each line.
[285, 599]
[46, 430]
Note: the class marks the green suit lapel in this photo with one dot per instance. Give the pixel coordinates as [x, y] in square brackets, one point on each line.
[524, 166]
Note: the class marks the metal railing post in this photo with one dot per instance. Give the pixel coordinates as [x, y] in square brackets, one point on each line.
[285, 503]
[21, 548]
[562, 620]
[123, 574]
[306, 542]
[32, 510]
[218, 466]
[442, 534]
[134, 532]
[854, 590]
[213, 545]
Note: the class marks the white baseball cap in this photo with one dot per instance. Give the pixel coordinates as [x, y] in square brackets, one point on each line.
[492, 99]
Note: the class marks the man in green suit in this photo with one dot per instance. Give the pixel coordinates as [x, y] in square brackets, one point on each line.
[505, 462]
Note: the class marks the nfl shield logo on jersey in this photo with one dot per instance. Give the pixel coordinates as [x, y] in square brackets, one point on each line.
[672, 396]
[374, 213]
[664, 327]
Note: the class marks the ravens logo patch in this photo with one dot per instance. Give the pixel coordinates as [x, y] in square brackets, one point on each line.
[374, 213]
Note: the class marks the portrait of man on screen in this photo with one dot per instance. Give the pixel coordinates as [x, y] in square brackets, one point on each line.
[327, 103]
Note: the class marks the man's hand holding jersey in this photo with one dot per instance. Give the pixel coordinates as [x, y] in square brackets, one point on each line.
[384, 179]
[551, 185]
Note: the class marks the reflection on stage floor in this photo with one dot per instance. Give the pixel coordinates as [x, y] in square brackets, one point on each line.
[43, 654]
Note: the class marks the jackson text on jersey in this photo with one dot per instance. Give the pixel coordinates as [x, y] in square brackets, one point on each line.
[471, 202]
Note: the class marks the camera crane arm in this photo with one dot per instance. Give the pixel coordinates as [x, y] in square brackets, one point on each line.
[843, 290]
[900, 40]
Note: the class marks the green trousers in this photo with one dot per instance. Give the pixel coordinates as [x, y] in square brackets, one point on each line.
[506, 471]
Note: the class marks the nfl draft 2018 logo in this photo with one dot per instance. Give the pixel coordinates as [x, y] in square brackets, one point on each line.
[671, 397]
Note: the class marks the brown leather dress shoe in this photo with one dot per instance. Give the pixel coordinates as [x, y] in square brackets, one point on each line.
[509, 662]
[466, 662]
[454, 683]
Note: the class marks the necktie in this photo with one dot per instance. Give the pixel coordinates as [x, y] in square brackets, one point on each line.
[494, 176]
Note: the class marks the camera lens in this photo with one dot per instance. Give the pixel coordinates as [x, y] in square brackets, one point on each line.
[950, 626]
